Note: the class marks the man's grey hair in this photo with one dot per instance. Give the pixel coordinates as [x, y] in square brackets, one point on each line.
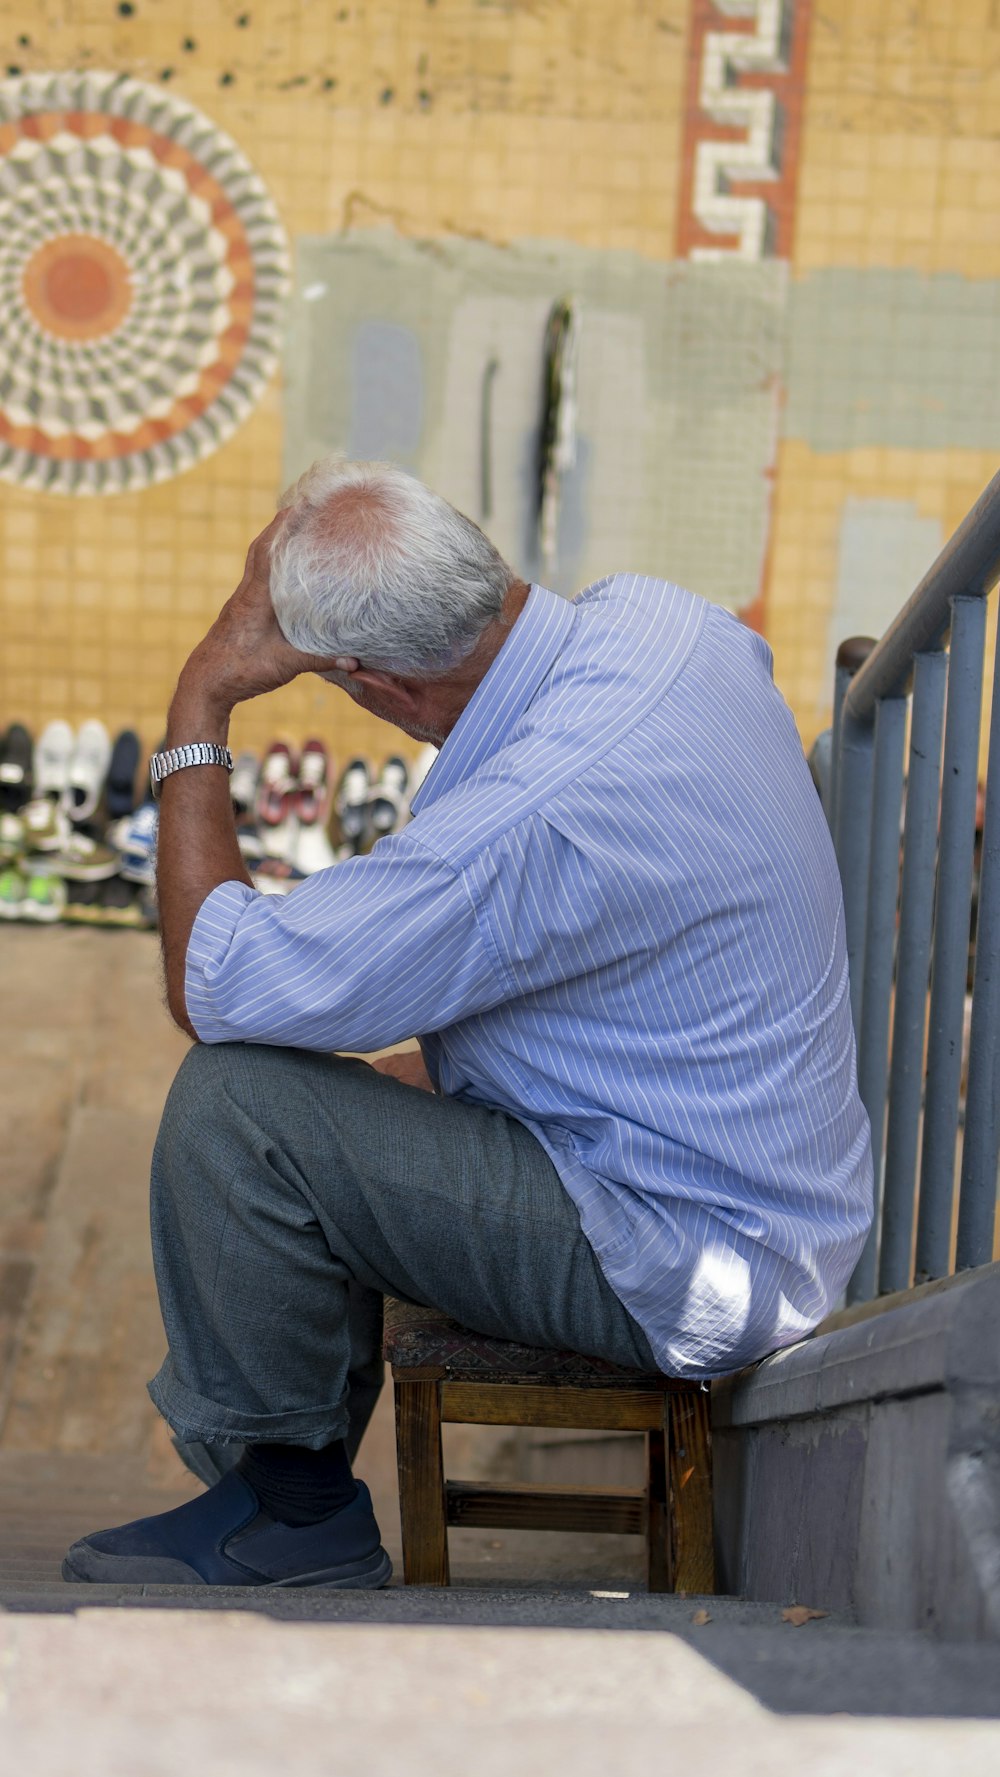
[372, 564]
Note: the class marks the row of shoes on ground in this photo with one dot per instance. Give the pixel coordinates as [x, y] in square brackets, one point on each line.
[79, 774]
[42, 837]
[293, 819]
[55, 861]
[70, 874]
[57, 794]
[32, 891]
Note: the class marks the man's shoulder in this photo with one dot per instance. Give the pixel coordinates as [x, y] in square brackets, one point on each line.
[635, 636]
[626, 593]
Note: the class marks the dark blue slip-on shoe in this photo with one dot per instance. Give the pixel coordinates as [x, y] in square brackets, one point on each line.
[119, 788]
[224, 1539]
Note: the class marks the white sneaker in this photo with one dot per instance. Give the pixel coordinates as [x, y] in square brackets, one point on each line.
[88, 768]
[311, 850]
[136, 844]
[388, 805]
[53, 751]
[45, 825]
[426, 757]
[351, 803]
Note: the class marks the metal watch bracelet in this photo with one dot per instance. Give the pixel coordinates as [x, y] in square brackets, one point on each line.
[196, 752]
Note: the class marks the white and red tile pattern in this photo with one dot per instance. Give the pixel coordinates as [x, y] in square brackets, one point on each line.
[142, 270]
[744, 99]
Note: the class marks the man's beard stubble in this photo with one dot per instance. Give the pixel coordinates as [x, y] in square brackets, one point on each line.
[375, 707]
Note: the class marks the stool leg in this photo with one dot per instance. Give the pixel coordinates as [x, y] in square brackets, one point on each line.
[691, 1489]
[659, 1524]
[421, 1483]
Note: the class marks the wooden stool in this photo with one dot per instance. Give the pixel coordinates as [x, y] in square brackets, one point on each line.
[443, 1373]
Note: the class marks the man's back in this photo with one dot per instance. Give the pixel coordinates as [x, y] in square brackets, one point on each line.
[669, 921]
[617, 916]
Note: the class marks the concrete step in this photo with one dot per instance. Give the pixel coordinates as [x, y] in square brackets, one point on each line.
[823, 1666]
[121, 1693]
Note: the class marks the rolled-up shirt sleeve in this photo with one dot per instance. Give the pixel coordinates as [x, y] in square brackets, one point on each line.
[362, 955]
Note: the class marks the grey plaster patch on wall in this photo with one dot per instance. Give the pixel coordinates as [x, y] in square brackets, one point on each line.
[678, 387]
[895, 358]
[884, 549]
[573, 526]
[387, 393]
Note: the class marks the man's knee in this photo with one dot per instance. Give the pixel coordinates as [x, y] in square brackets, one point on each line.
[222, 1091]
[206, 1123]
[214, 1079]
[202, 1088]
[245, 1072]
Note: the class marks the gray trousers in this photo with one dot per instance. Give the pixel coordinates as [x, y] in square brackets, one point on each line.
[291, 1191]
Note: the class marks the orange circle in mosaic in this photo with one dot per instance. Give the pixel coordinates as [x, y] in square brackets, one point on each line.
[142, 275]
[77, 287]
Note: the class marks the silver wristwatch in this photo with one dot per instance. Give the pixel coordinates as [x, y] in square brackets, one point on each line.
[195, 752]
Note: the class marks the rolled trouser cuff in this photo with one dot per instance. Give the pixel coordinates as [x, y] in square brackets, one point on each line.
[194, 1419]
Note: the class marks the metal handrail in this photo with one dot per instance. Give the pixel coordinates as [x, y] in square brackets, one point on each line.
[907, 911]
[969, 565]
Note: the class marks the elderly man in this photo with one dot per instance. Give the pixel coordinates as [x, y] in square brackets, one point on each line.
[615, 925]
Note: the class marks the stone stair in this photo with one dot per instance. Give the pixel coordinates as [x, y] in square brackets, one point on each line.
[823, 1666]
[162, 1691]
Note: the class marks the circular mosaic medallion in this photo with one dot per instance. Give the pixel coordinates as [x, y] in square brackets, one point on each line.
[142, 269]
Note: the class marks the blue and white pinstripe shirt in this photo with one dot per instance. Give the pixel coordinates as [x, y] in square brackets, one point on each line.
[616, 914]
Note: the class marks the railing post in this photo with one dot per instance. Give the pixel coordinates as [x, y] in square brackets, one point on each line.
[951, 935]
[841, 680]
[852, 834]
[880, 945]
[913, 957]
[981, 1142]
[951, 596]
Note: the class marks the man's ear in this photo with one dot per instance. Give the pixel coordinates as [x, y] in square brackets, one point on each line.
[389, 687]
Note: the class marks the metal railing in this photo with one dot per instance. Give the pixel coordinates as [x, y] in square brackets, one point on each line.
[901, 800]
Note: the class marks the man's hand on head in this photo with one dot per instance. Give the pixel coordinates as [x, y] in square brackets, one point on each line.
[244, 653]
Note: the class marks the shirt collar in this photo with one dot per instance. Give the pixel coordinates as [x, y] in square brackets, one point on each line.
[526, 658]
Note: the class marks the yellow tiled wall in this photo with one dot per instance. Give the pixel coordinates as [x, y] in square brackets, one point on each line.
[811, 491]
[498, 119]
[899, 167]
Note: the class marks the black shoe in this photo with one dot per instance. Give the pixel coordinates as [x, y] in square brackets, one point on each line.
[119, 791]
[16, 777]
[224, 1539]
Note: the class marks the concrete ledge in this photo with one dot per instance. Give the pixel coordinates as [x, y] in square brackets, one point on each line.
[942, 1338]
[860, 1470]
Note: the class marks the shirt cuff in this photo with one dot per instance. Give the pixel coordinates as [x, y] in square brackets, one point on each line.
[211, 936]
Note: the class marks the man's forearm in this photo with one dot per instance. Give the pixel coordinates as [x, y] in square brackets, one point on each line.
[197, 847]
[243, 655]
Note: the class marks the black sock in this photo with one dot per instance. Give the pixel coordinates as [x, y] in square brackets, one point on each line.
[298, 1486]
